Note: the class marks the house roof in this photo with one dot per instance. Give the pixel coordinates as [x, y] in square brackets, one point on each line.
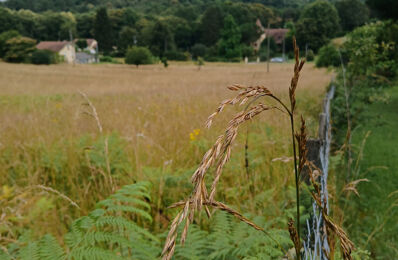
[278, 34]
[54, 46]
[91, 41]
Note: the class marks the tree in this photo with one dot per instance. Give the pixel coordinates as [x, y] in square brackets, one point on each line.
[161, 38]
[328, 56]
[127, 38]
[211, 25]
[352, 13]
[384, 8]
[318, 23]
[84, 25]
[7, 20]
[229, 45]
[4, 37]
[19, 49]
[56, 26]
[103, 30]
[138, 55]
[198, 50]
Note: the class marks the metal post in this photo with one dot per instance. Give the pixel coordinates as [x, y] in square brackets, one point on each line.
[268, 46]
[283, 55]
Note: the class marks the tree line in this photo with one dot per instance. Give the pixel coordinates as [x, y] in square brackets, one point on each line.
[215, 30]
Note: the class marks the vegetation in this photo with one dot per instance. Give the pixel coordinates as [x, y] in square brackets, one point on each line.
[362, 113]
[95, 176]
[19, 49]
[328, 56]
[43, 57]
[55, 129]
[138, 56]
[352, 13]
[318, 23]
[180, 30]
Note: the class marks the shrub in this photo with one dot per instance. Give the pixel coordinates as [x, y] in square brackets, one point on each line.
[164, 61]
[310, 55]
[247, 51]
[138, 55]
[106, 59]
[19, 49]
[81, 43]
[4, 37]
[175, 55]
[43, 57]
[328, 56]
[198, 50]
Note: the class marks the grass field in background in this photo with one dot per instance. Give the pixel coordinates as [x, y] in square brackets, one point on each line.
[153, 119]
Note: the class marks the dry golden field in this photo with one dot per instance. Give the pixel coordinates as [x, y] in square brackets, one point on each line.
[154, 119]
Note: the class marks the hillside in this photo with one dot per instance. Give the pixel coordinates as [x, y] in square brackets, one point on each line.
[152, 6]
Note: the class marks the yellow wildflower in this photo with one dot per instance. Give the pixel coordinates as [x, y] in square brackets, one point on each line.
[194, 134]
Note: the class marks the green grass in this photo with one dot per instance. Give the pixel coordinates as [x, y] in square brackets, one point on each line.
[373, 220]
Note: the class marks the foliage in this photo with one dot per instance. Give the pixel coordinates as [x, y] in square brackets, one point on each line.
[198, 50]
[103, 30]
[229, 239]
[328, 56]
[164, 61]
[211, 25]
[352, 13]
[138, 55]
[229, 45]
[310, 55]
[318, 23]
[384, 8]
[4, 37]
[81, 43]
[373, 50]
[200, 62]
[127, 38]
[18, 49]
[46, 57]
[161, 39]
[111, 231]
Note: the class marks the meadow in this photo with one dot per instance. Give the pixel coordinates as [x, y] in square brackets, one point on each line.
[57, 158]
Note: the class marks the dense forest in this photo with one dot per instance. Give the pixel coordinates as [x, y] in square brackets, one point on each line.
[182, 29]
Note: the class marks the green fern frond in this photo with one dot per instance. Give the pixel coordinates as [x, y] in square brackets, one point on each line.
[29, 252]
[88, 253]
[49, 249]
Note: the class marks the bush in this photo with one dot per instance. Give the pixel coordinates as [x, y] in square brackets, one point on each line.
[19, 49]
[310, 55]
[4, 37]
[198, 50]
[138, 55]
[106, 59]
[176, 55]
[81, 43]
[247, 51]
[43, 57]
[328, 56]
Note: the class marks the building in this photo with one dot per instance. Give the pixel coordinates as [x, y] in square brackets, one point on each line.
[64, 49]
[278, 34]
[91, 45]
[85, 58]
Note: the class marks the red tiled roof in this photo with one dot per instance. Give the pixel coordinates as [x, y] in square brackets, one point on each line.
[52, 46]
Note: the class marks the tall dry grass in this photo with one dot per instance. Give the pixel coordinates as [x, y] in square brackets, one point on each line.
[156, 114]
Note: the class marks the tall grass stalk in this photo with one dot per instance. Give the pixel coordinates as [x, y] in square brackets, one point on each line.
[220, 154]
